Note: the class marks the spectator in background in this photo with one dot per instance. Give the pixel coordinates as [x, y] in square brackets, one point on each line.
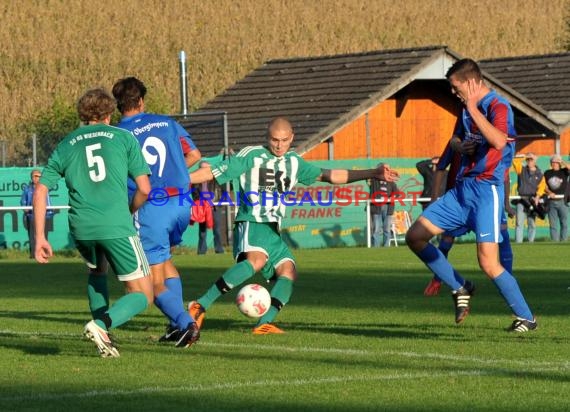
[382, 210]
[529, 177]
[26, 200]
[213, 191]
[427, 169]
[556, 180]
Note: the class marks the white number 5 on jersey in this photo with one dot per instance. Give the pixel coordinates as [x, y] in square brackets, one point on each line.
[159, 157]
[95, 161]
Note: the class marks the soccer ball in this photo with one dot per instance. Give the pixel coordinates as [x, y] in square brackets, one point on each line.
[253, 300]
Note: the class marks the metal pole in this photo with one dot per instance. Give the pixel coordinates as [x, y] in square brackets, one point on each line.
[368, 144]
[368, 224]
[229, 232]
[3, 153]
[183, 86]
[34, 150]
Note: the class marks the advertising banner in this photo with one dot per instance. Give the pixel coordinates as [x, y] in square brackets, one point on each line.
[318, 216]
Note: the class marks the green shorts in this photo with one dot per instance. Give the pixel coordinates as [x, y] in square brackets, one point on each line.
[265, 238]
[125, 255]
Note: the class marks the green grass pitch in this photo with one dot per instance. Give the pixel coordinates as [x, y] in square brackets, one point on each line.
[360, 337]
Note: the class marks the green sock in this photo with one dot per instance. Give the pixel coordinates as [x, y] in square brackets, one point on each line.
[124, 309]
[233, 277]
[282, 291]
[97, 294]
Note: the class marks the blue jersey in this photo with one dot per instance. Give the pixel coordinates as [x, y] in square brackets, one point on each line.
[487, 163]
[164, 143]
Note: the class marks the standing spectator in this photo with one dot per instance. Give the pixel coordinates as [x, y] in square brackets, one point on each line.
[381, 211]
[214, 192]
[529, 177]
[169, 151]
[484, 134]
[556, 180]
[26, 200]
[427, 169]
[96, 160]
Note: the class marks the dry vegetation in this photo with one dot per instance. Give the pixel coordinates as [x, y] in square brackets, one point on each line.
[58, 48]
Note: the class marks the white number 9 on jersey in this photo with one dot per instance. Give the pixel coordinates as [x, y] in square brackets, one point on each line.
[160, 153]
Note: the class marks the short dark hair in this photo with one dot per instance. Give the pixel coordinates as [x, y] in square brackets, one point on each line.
[464, 69]
[128, 92]
[95, 105]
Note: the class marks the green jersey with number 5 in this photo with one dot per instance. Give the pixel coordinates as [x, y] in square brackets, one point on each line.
[95, 161]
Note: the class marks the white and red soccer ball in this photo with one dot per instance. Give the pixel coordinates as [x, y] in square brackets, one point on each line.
[253, 300]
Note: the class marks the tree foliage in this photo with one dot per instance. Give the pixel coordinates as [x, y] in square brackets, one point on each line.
[49, 126]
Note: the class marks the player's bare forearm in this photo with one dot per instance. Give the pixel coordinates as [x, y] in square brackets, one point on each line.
[192, 157]
[141, 194]
[203, 174]
[42, 251]
[39, 204]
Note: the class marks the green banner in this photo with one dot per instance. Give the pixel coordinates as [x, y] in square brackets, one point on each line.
[13, 234]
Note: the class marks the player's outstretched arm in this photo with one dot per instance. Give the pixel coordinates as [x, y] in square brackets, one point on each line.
[203, 174]
[341, 176]
[43, 250]
[141, 194]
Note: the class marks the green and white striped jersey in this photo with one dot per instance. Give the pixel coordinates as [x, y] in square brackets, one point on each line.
[264, 181]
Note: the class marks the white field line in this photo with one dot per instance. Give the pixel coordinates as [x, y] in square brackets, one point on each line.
[193, 388]
[347, 352]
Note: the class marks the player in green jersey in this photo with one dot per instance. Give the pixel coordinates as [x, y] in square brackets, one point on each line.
[265, 173]
[95, 161]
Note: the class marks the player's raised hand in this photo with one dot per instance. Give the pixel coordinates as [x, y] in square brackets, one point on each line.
[385, 172]
[472, 95]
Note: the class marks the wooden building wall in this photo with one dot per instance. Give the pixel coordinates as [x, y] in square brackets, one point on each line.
[416, 122]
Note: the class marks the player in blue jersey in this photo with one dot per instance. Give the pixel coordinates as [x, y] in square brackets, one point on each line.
[169, 151]
[484, 135]
[453, 160]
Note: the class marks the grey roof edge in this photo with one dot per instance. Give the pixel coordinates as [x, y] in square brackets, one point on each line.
[371, 52]
[526, 57]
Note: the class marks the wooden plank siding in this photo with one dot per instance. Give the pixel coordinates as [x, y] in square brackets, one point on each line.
[415, 123]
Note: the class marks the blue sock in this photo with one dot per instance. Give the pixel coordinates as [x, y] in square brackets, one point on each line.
[172, 306]
[509, 289]
[506, 252]
[175, 286]
[439, 265]
[445, 246]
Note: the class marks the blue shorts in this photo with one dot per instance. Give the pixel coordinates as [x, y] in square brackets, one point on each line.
[470, 205]
[160, 227]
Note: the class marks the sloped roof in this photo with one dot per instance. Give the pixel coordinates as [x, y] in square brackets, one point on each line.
[318, 94]
[543, 79]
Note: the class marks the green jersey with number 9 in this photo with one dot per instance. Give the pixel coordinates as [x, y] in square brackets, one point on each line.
[95, 161]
